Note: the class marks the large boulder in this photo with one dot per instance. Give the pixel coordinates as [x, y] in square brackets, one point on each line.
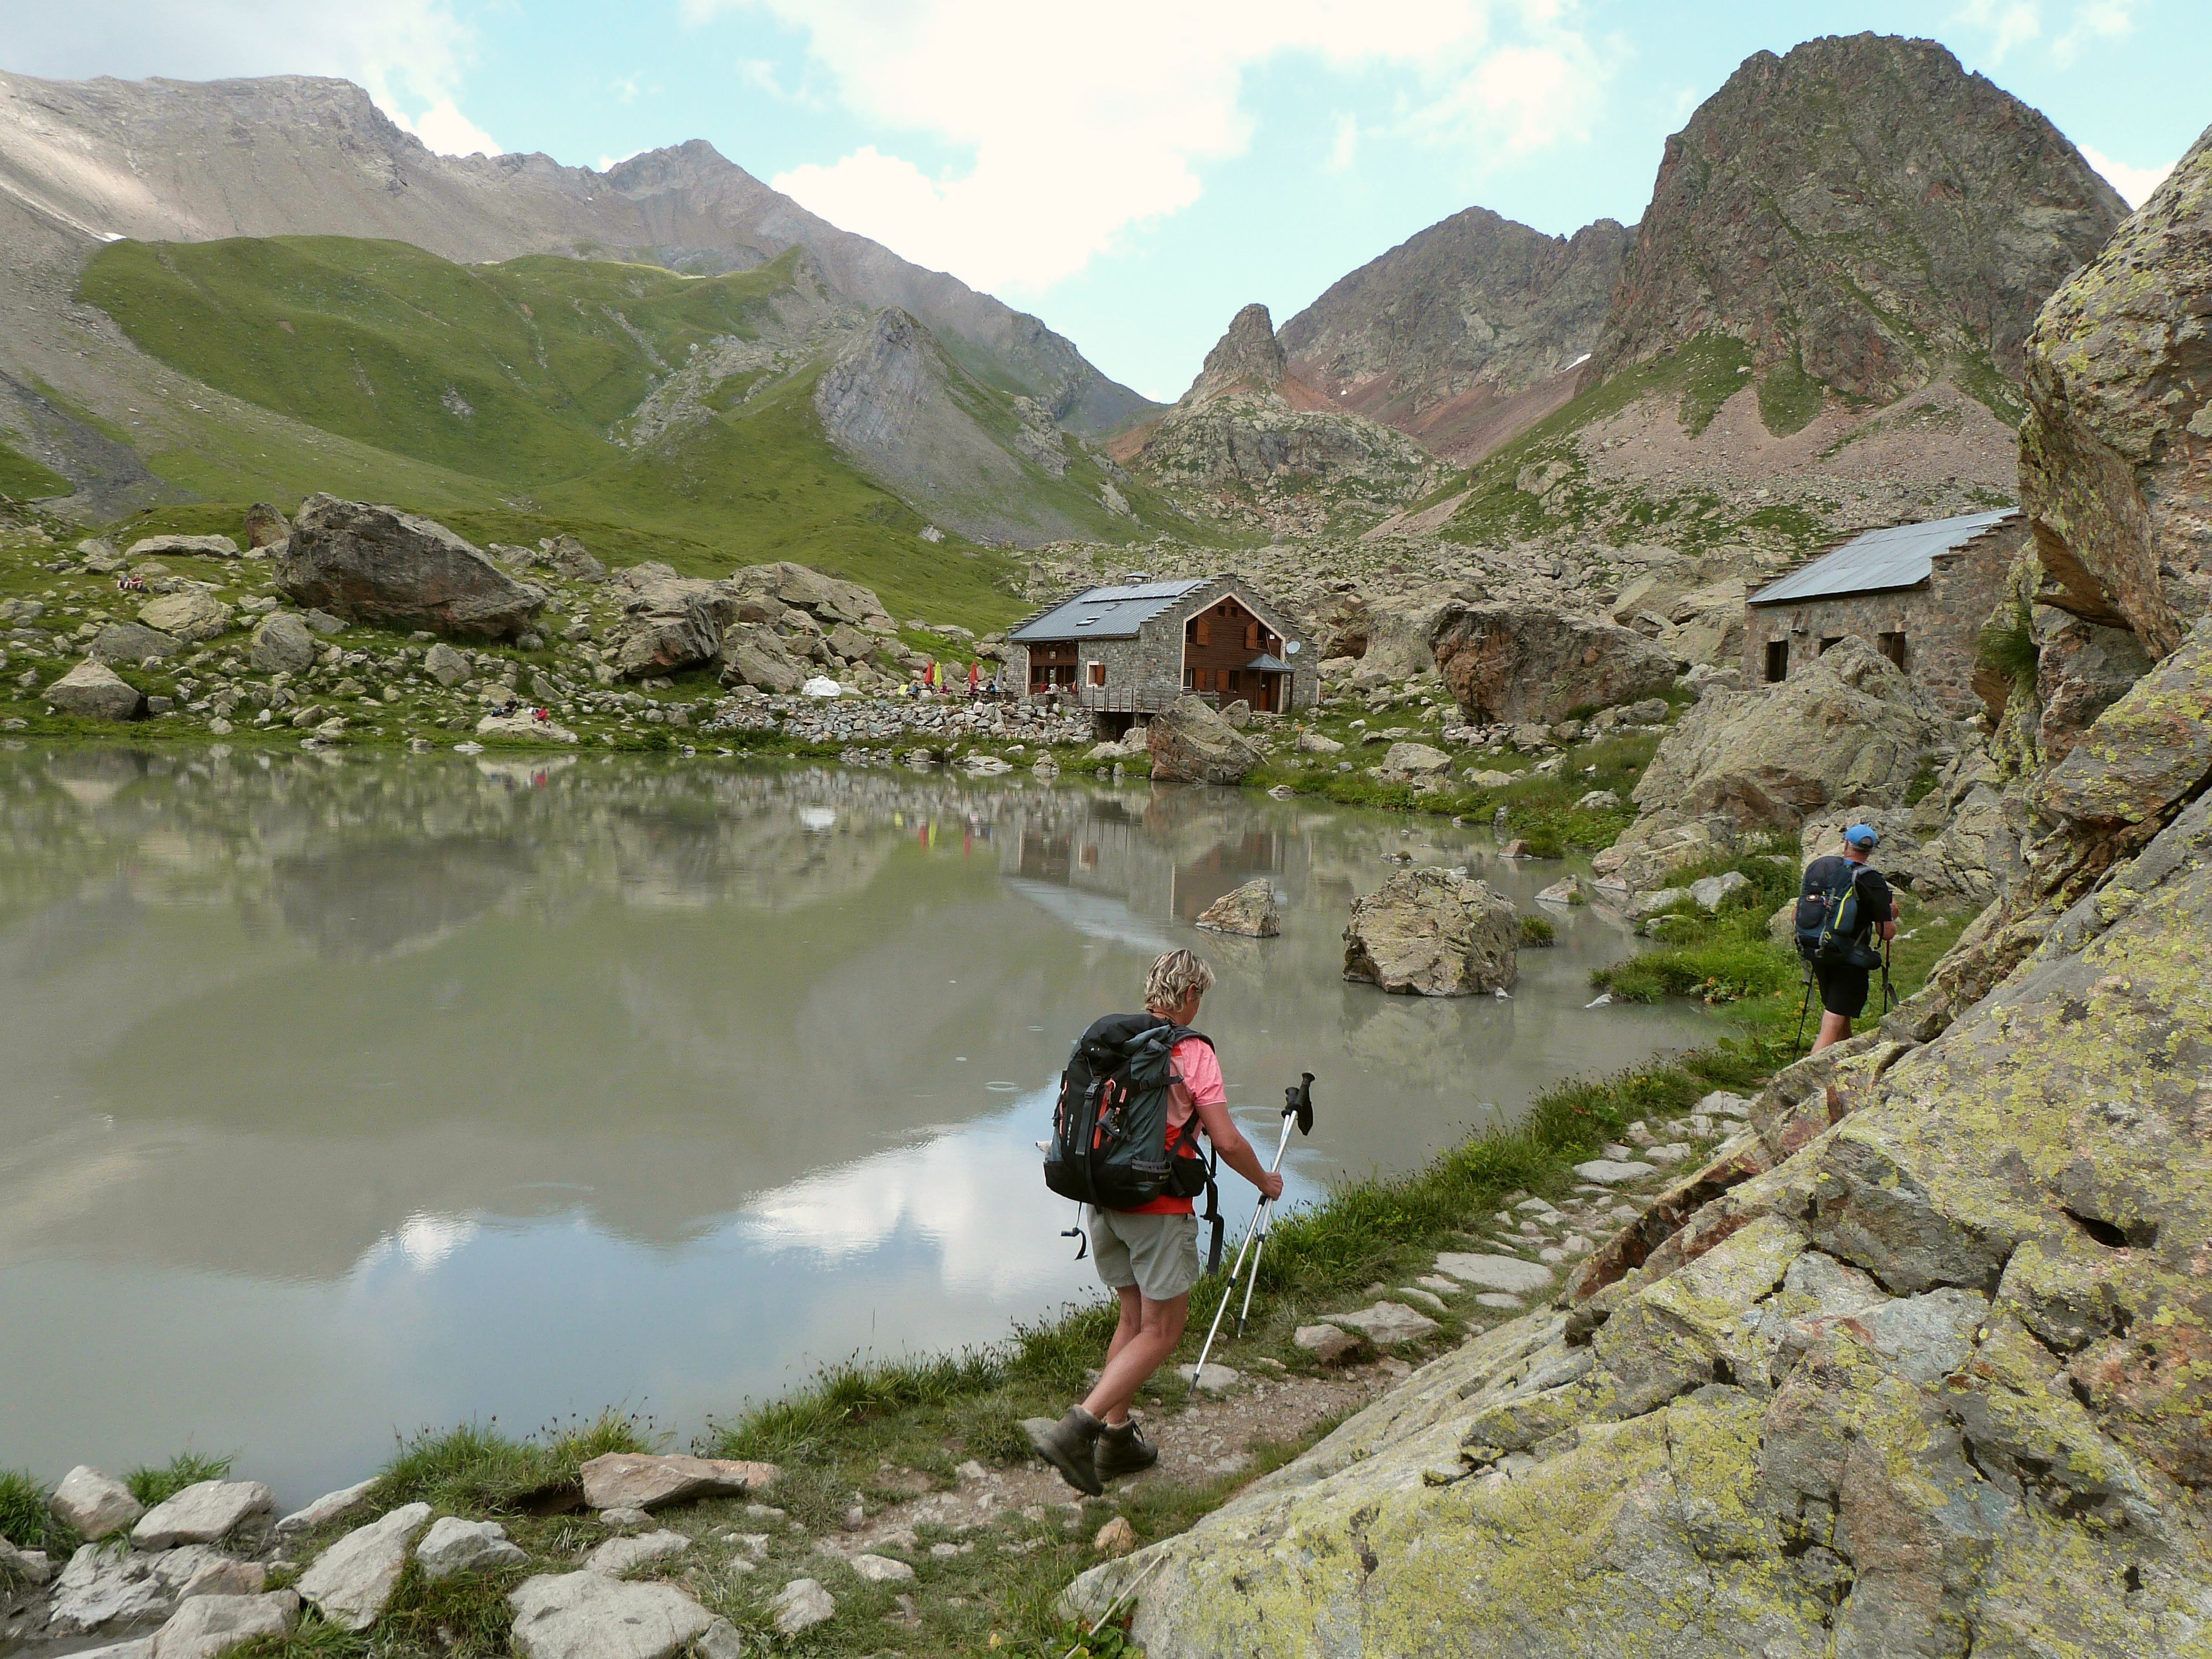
[1433, 932]
[1506, 661]
[671, 623]
[380, 565]
[207, 1626]
[825, 598]
[210, 547]
[2116, 453]
[755, 656]
[131, 642]
[1192, 744]
[94, 691]
[93, 1505]
[190, 614]
[1849, 730]
[201, 1513]
[266, 526]
[1250, 909]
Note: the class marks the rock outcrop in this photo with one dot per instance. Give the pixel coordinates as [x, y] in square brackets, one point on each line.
[377, 564]
[1850, 730]
[1915, 1368]
[1192, 744]
[1860, 212]
[1249, 433]
[1510, 662]
[2116, 454]
[669, 623]
[1432, 932]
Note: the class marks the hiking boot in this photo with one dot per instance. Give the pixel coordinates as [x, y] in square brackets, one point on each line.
[1122, 1449]
[1068, 1446]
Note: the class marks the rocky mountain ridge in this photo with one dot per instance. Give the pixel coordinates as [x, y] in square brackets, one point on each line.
[1463, 334]
[173, 161]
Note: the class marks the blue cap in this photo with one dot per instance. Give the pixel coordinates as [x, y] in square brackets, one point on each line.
[1861, 835]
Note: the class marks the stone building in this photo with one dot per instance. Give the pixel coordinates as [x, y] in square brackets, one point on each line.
[1919, 593]
[1128, 651]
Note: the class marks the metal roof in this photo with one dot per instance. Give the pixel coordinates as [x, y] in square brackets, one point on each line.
[1105, 613]
[1901, 557]
[1269, 663]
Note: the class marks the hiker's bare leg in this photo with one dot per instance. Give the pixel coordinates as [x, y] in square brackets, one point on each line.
[1133, 1321]
[1834, 1028]
[1159, 1327]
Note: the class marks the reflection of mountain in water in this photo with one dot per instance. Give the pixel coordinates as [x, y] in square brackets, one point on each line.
[334, 994]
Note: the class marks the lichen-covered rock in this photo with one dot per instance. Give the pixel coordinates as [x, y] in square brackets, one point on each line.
[1250, 909]
[131, 642]
[1433, 932]
[379, 565]
[1192, 744]
[1507, 661]
[2116, 453]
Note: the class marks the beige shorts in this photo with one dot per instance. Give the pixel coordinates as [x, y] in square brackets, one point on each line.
[1158, 1254]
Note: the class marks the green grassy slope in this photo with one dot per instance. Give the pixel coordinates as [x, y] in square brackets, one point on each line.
[493, 396]
[25, 480]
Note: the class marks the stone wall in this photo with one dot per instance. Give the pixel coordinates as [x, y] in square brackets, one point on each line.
[1940, 619]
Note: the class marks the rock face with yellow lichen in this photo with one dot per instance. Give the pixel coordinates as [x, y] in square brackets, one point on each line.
[2116, 454]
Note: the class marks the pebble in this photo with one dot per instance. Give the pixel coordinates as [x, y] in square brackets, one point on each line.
[801, 1605]
[1117, 1537]
[881, 1569]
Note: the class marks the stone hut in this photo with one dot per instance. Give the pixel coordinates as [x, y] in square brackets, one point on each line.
[1919, 593]
[1127, 652]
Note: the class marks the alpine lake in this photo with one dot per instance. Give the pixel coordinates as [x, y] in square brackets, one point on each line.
[344, 1095]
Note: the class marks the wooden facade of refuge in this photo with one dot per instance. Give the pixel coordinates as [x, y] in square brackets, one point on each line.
[1919, 593]
[1127, 651]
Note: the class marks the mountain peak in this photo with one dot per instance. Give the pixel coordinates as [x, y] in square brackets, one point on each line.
[1248, 358]
[1864, 207]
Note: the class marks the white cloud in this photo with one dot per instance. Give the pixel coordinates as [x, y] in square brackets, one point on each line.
[2133, 183]
[2010, 23]
[1072, 126]
[2097, 20]
[446, 130]
[1344, 148]
[410, 54]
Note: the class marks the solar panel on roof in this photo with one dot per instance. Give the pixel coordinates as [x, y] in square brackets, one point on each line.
[1105, 613]
[1901, 557]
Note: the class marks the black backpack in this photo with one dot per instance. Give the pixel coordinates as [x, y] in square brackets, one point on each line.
[1110, 1131]
[1833, 927]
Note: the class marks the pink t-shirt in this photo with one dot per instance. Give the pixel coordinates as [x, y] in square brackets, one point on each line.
[1198, 1079]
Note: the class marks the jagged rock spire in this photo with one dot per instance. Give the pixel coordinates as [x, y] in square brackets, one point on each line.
[1248, 358]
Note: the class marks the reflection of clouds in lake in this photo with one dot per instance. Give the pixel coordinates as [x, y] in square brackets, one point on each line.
[422, 1241]
[974, 1193]
[1094, 916]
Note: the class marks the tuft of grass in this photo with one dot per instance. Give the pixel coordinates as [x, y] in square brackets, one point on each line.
[1536, 931]
[157, 1486]
[466, 1615]
[311, 1638]
[2008, 649]
[476, 1467]
[24, 1520]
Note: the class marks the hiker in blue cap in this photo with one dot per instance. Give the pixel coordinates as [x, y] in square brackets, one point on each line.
[1842, 961]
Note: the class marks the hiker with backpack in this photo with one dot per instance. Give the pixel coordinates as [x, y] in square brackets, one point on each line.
[1138, 1091]
[1844, 905]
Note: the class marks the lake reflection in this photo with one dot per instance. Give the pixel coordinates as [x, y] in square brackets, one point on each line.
[343, 1095]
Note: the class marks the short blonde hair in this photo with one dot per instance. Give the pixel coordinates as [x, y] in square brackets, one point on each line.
[1174, 977]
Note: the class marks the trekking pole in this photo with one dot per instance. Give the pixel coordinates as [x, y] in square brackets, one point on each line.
[1798, 1042]
[1298, 1107]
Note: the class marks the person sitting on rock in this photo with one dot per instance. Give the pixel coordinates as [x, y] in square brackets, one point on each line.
[1148, 1257]
[1844, 986]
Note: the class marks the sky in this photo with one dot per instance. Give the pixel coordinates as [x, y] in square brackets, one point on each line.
[1133, 173]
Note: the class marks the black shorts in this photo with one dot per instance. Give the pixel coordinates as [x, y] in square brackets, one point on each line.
[1843, 990]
